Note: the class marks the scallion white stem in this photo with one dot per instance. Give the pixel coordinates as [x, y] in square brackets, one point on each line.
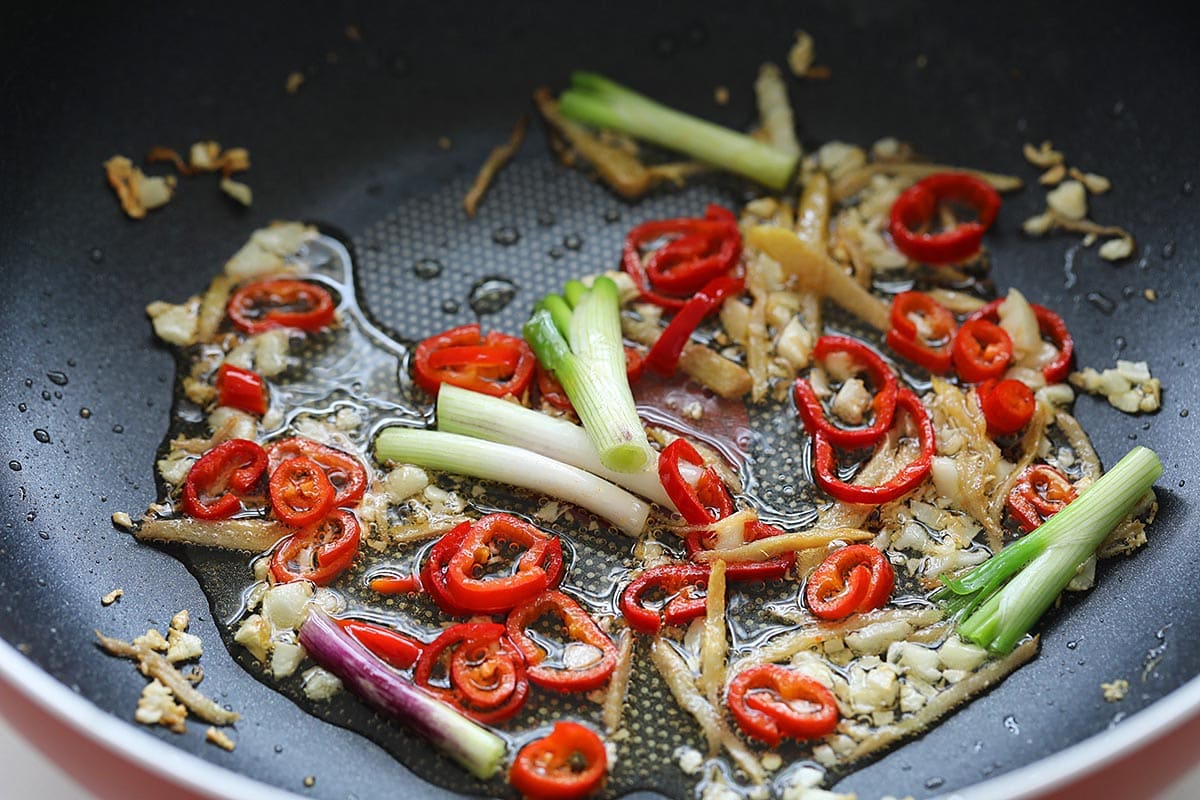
[478, 458]
[1045, 560]
[590, 365]
[484, 417]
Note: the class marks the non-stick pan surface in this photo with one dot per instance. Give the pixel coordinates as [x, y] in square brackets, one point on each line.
[85, 391]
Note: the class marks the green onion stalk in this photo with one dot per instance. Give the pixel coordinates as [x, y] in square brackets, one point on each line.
[1039, 566]
[581, 344]
[601, 103]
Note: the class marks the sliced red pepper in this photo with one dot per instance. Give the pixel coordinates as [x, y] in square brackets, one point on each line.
[916, 208]
[702, 504]
[433, 571]
[496, 365]
[1040, 492]
[770, 702]
[900, 484]
[319, 552]
[812, 413]
[580, 627]
[221, 477]
[982, 351]
[663, 357]
[927, 345]
[484, 672]
[851, 579]
[300, 492]
[397, 649]
[569, 763]
[702, 249]
[281, 303]
[345, 472]
[1051, 326]
[241, 389]
[553, 393]
[396, 584]
[679, 583]
[1007, 406]
[488, 538]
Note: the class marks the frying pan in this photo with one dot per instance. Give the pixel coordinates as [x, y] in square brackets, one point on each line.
[969, 85]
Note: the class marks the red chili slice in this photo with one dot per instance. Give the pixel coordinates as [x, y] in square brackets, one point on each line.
[397, 649]
[916, 208]
[345, 472]
[1007, 406]
[221, 477]
[241, 389]
[319, 552]
[812, 413]
[569, 763]
[702, 504]
[770, 702]
[433, 571]
[908, 478]
[396, 584]
[982, 351]
[485, 540]
[580, 627]
[1051, 326]
[485, 673]
[663, 357]
[496, 365]
[851, 579]
[702, 249]
[678, 582]
[283, 303]
[301, 493]
[927, 344]
[1040, 492]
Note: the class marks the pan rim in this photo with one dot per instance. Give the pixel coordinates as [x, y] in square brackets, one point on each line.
[87, 719]
[1156, 721]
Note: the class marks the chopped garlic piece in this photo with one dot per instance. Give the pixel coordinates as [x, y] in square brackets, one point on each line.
[1053, 176]
[1129, 387]
[800, 56]
[320, 683]
[1116, 249]
[151, 640]
[136, 191]
[1068, 200]
[219, 738]
[1043, 156]
[839, 158]
[957, 654]
[1036, 226]
[1115, 691]
[157, 706]
[795, 344]
[183, 646]
[238, 191]
[1096, 184]
[285, 659]
[690, 759]
[112, 597]
[851, 402]
[175, 324]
